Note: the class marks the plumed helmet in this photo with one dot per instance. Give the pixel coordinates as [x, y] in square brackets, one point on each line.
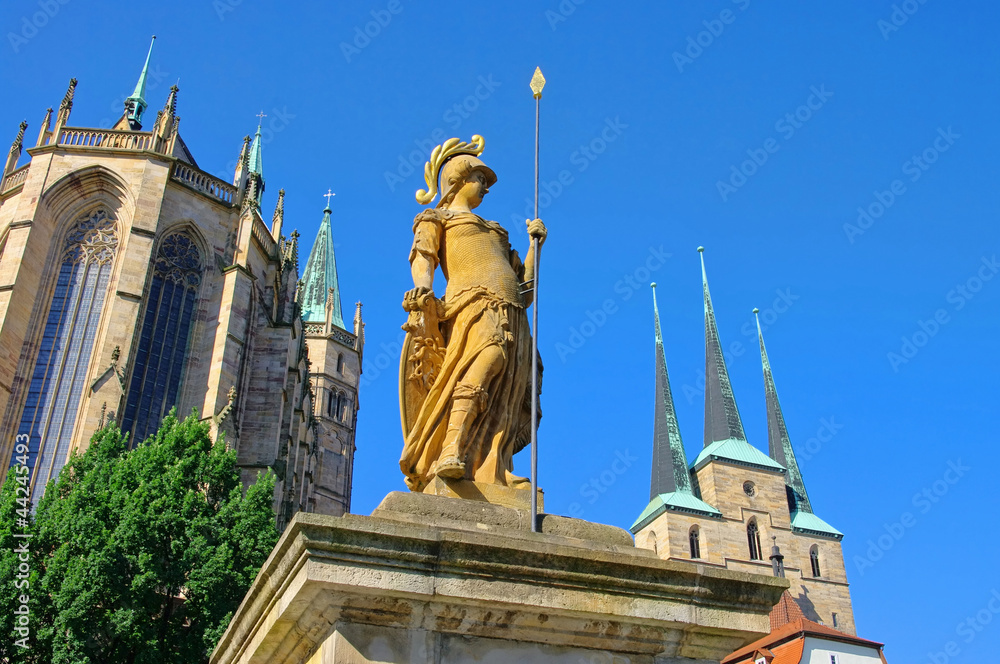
[456, 172]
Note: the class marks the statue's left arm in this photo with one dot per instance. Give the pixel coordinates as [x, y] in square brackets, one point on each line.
[536, 229]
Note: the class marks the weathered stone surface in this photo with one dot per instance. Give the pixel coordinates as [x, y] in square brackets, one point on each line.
[483, 517]
[377, 589]
[496, 494]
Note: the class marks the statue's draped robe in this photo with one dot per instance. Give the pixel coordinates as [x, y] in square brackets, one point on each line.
[483, 307]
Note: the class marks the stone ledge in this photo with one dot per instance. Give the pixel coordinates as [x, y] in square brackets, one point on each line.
[329, 573]
[459, 514]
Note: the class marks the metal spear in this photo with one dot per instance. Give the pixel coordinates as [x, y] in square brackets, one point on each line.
[537, 83]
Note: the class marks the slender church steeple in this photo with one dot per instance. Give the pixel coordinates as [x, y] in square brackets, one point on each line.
[136, 105]
[779, 444]
[320, 277]
[722, 418]
[670, 482]
[670, 467]
[255, 169]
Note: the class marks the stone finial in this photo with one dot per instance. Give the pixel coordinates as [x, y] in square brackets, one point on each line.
[231, 394]
[67, 102]
[115, 356]
[15, 148]
[19, 139]
[279, 215]
[43, 132]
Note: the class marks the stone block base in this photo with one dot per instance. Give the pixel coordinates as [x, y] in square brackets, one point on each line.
[434, 580]
[489, 493]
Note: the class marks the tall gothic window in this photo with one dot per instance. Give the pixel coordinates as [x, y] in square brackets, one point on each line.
[753, 539]
[163, 342]
[694, 540]
[814, 560]
[59, 377]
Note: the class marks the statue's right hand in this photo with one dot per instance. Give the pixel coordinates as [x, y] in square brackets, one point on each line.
[416, 298]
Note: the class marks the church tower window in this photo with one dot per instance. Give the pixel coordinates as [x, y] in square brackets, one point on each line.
[340, 363]
[163, 344]
[60, 373]
[694, 541]
[753, 539]
[814, 560]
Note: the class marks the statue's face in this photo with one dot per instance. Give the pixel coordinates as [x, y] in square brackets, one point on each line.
[474, 189]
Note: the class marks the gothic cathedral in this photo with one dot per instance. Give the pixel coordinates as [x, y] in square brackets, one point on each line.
[132, 282]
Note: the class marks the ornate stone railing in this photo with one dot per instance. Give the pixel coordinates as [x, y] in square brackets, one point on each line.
[106, 138]
[262, 234]
[15, 179]
[205, 183]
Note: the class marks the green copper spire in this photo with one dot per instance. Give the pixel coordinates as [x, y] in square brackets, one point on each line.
[670, 482]
[670, 467]
[722, 418]
[136, 105]
[779, 444]
[320, 278]
[256, 163]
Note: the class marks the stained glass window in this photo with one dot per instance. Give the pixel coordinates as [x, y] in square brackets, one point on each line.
[163, 341]
[60, 373]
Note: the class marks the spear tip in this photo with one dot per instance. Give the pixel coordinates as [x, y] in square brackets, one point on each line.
[537, 83]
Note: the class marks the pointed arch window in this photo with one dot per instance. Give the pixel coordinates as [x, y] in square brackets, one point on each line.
[59, 376]
[329, 403]
[163, 342]
[694, 542]
[814, 560]
[753, 539]
[340, 363]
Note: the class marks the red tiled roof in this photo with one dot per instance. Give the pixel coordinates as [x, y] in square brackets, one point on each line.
[790, 638]
[785, 611]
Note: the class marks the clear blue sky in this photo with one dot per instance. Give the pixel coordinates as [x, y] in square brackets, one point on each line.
[645, 137]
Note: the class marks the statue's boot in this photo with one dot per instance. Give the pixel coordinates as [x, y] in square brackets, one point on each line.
[463, 414]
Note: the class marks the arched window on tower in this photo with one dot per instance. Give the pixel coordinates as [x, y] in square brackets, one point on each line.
[814, 560]
[753, 539]
[329, 402]
[340, 363]
[59, 376]
[694, 541]
[163, 342]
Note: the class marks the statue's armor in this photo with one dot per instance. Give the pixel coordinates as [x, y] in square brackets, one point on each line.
[475, 255]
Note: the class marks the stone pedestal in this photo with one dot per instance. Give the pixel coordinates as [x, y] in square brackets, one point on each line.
[435, 580]
[490, 493]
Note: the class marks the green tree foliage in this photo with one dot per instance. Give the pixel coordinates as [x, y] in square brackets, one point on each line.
[141, 555]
